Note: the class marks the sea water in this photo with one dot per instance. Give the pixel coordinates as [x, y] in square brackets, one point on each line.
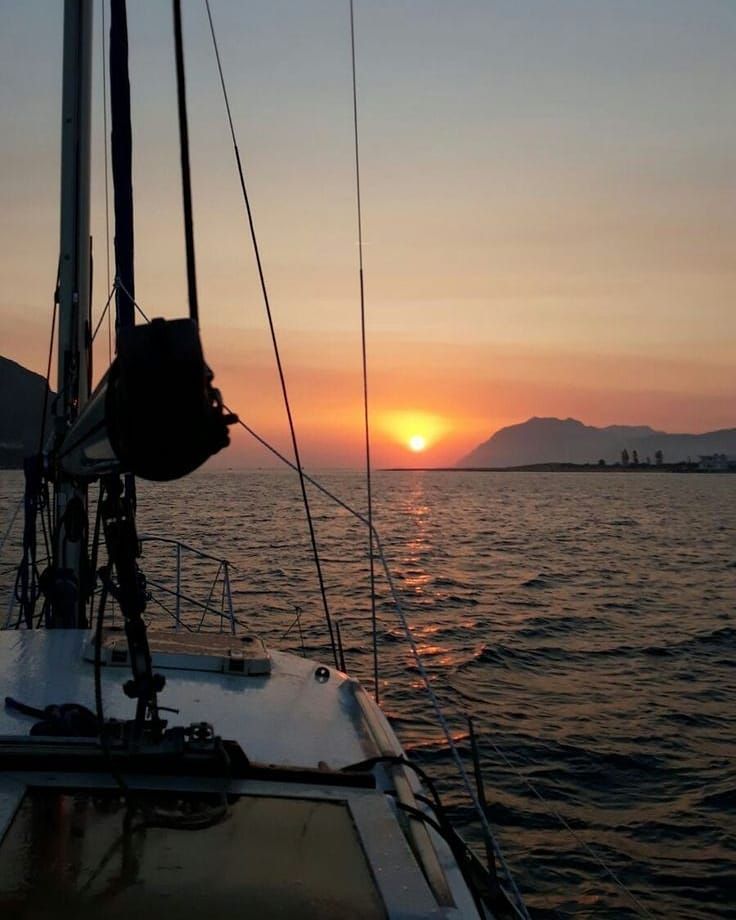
[586, 621]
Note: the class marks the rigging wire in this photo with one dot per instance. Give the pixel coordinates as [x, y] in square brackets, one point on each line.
[43, 506]
[264, 291]
[27, 583]
[107, 186]
[105, 311]
[436, 704]
[368, 483]
[369, 519]
[8, 529]
[416, 656]
[304, 477]
[553, 811]
[134, 303]
[44, 410]
[104, 726]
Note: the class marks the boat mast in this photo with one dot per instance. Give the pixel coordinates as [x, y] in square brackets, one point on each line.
[74, 295]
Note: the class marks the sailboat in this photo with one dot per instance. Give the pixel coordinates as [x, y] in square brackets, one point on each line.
[182, 772]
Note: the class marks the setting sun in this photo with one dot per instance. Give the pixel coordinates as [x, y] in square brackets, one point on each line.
[402, 426]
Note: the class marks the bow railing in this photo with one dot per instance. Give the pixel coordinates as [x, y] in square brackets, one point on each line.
[190, 608]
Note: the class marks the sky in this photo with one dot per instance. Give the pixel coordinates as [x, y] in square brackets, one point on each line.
[549, 205]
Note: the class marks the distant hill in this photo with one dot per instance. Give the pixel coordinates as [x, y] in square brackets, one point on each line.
[554, 440]
[21, 404]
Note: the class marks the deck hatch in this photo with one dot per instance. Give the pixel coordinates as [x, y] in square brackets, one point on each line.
[70, 854]
[215, 652]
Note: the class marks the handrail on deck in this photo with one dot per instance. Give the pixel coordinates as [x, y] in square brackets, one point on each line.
[155, 538]
[226, 610]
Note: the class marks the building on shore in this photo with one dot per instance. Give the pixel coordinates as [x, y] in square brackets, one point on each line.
[716, 463]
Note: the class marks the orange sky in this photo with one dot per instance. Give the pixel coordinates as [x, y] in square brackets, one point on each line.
[549, 212]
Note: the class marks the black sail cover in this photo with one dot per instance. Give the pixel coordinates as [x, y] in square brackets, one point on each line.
[155, 414]
[164, 417]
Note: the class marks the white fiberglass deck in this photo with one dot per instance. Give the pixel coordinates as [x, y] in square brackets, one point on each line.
[299, 714]
[288, 717]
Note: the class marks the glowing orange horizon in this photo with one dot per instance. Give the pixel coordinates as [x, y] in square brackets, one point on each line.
[566, 298]
[416, 429]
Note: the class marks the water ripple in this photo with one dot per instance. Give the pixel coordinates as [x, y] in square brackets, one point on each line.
[586, 622]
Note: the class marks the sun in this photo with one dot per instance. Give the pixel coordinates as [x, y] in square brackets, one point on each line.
[414, 429]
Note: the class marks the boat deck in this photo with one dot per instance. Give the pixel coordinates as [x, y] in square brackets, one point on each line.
[282, 710]
[290, 716]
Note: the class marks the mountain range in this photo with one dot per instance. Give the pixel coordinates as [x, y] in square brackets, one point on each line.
[21, 404]
[554, 440]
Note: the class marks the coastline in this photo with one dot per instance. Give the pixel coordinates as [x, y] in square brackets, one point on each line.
[561, 468]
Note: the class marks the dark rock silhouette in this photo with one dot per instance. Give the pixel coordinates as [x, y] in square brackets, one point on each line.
[554, 440]
[21, 404]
